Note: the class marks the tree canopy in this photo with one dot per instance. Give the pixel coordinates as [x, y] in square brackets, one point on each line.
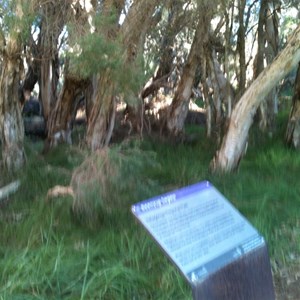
[141, 55]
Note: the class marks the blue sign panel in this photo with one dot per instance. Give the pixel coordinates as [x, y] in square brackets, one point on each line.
[198, 228]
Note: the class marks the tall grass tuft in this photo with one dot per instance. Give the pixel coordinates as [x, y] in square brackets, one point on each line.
[110, 179]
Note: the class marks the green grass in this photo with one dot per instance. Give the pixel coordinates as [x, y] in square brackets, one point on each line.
[48, 254]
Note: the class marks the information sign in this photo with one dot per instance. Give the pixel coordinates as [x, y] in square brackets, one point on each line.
[198, 228]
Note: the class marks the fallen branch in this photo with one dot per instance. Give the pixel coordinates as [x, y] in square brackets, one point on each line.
[9, 189]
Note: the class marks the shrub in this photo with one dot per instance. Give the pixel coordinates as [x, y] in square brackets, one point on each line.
[111, 179]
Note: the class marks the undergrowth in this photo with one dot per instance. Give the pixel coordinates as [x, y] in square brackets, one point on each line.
[48, 252]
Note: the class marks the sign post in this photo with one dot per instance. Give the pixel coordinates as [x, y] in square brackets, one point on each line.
[216, 249]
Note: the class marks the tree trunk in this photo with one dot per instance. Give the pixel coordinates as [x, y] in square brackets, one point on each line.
[63, 115]
[132, 32]
[165, 67]
[102, 119]
[261, 40]
[89, 95]
[179, 108]
[222, 94]
[52, 23]
[228, 34]
[48, 85]
[11, 123]
[271, 51]
[207, 97]
[293, 128]
[180, 104]
[259, 61]
[267, 32]
[31, 78]
[241, 48]
[140, 16]
[234, 143]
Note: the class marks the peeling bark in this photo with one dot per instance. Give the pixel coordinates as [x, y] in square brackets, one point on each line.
[165, 67]
[63, 115]
[102, 118]
[11, 123]
[48, 46]
[234, 143]
[179, 108]
[132, 32]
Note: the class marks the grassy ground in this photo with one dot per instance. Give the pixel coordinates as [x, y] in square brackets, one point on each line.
[46, 253]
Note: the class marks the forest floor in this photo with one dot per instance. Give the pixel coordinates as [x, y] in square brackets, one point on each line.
[48, 253]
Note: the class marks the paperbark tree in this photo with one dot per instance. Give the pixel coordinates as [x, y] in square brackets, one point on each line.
[62, 115]
[272, 48]
[268, 44]
[222, 96]
[164, 69]
[102, 117]
[293, 128]
[132, 34]
[43, 53]
[179, 108]
[241, 44]
[11, 123]
[228, 8]
[32, 73]
[53, 18]
[234, 142]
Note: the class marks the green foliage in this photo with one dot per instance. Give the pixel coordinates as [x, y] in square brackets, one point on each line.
[12, 23]
[130, 78]
[95, 54]
[102, 52]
